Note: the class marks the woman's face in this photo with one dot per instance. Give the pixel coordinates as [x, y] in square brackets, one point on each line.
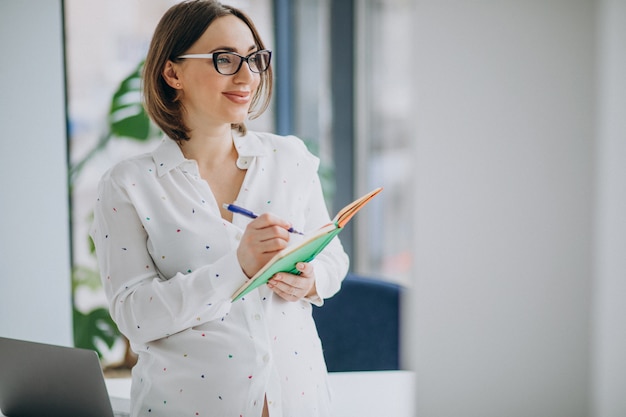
[208, 96]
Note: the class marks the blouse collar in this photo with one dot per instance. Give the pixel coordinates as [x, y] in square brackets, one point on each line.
[248, 147]
[168, 154]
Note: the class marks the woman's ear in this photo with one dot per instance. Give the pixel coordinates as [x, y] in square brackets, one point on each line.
[170, 75]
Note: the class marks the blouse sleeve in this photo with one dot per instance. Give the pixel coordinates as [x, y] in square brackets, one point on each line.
[145, 305]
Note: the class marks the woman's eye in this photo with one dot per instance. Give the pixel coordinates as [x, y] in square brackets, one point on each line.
[224, 59]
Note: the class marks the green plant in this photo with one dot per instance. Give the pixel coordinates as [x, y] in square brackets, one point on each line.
[126, 119]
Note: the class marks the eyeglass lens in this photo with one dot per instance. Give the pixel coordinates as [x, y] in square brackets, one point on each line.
[228, 63]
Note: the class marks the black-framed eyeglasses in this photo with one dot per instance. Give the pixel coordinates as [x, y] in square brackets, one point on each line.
[228, 63]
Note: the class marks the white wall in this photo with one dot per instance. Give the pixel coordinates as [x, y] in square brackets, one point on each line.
[504, 180]
[513, 105]
[35, 296]
[609, 362]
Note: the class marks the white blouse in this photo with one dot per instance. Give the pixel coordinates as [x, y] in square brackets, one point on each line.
[169, 267]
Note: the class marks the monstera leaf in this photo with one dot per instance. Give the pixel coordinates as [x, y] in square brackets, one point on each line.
[127, 117]
[93, 326]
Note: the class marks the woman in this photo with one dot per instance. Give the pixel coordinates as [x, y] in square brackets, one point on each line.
[171, 256]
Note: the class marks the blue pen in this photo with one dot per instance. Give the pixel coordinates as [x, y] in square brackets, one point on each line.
[248, 213]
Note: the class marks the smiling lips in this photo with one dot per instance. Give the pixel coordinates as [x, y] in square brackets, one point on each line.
[239, 97]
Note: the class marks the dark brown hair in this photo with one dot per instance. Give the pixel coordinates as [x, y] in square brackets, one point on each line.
[179, 28]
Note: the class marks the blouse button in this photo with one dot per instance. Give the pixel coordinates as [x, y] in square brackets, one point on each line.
[257, 316]
[243, 162]
[238, 236]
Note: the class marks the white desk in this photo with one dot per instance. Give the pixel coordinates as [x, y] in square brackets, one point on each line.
[362, 394]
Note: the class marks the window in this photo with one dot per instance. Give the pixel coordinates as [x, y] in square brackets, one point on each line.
[372, 120]
[384, 130]
[352, 81]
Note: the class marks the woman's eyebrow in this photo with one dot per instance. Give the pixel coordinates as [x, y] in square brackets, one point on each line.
[231, 49]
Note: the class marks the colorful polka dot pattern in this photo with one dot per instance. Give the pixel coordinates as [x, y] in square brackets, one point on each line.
[170, 265]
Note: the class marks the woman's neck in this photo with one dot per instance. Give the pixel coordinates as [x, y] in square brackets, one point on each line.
[209, 148]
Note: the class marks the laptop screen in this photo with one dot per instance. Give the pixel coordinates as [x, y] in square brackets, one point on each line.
[39, 379]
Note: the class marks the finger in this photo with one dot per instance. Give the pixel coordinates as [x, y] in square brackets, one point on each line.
[264, 231]
[286, 295]
[305, 268]
[285, 284]
[284, 289]
[272, 244]
[263, 237]
[266, 220]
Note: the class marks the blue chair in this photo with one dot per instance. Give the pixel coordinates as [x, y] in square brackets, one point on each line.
[360, 326]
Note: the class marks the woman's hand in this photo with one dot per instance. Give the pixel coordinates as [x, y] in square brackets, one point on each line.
[292, 287]
[263, 237]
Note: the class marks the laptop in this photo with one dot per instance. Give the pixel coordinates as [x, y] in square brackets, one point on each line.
[38, 379]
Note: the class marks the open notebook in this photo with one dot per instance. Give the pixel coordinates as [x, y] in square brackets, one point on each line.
[38, 379]
[314, 242]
